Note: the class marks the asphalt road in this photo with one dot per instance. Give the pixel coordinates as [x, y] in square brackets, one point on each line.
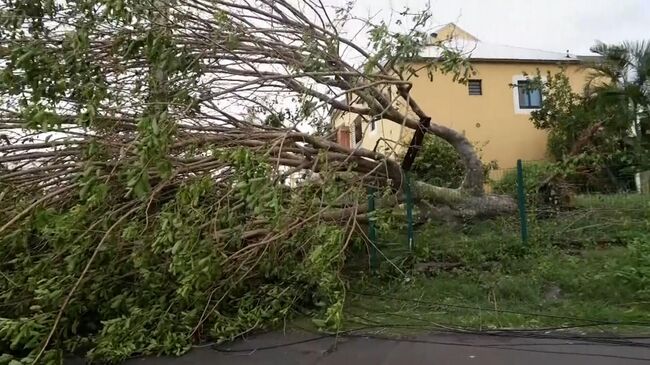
[438, 349]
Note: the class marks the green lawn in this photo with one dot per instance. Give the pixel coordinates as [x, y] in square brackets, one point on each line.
[587, 265]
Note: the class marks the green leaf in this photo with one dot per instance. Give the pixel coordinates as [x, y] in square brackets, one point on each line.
[25, 57]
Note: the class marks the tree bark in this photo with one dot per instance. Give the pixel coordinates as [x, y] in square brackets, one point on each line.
[464, 205]
[474, 181]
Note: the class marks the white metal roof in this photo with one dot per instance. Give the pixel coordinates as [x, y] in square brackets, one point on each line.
[490, 51]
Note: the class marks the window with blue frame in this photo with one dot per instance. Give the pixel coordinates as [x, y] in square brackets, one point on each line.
[529, 97]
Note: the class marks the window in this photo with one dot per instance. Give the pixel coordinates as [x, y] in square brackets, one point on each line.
[475, 87]
[529, 97]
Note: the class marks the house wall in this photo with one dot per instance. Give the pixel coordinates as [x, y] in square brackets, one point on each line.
[492, 121]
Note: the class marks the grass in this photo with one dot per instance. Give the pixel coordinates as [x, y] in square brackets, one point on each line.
[588, 264]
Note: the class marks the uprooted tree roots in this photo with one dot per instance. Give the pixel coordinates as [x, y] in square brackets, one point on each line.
[150, 168]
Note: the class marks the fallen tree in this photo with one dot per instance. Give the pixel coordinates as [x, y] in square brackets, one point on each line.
[164, 84]
[148, 166]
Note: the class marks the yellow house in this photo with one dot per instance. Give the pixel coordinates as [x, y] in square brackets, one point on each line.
[492, 113]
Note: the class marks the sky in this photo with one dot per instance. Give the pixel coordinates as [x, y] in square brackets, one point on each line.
[552, 25]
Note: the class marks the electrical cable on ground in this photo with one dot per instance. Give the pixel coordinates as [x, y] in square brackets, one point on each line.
[593, 323]
[579, 340]
[504, 347]
[351, 334]
[528, 314]
[528, 333]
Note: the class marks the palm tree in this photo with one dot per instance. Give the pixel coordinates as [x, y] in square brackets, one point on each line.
[622, 77]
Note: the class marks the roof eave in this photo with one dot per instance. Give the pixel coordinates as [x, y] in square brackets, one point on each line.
[527, 60]
[516, 60]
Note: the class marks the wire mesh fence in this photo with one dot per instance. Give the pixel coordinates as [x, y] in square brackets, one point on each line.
[563, 209]
[584, 257]
[548, 212]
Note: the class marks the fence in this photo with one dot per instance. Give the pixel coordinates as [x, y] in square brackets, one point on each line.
[538, 218]
[562, 199]
[585, 261]
[607, 181]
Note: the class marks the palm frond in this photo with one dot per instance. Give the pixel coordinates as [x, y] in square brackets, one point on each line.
[640, 54]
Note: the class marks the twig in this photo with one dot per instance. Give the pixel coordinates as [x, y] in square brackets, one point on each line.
[78, 282]
[26, 211]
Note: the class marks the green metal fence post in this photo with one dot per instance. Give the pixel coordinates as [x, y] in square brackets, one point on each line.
[372, 231]
[521, 200]
[409, 211]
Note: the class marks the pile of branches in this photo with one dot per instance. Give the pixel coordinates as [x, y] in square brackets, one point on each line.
[201, 257]
[152, 157]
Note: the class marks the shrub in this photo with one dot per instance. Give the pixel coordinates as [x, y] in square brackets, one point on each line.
[438, 163]
[534, 174]
[590, 133]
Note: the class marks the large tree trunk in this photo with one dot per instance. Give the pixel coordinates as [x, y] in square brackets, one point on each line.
[474, 181]
[464, 205]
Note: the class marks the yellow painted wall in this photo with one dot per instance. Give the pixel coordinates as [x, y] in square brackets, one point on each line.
[490, 121]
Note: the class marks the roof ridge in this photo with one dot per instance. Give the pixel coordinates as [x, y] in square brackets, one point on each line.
[442, 26]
